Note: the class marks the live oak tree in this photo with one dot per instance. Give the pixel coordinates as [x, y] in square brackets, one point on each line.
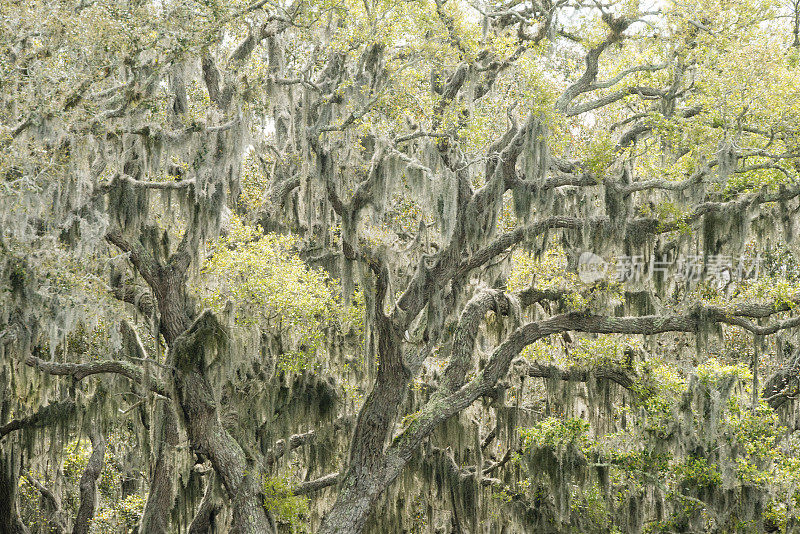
[232, 231]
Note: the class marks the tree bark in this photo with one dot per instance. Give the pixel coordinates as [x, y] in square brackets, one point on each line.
[168, 285]
[161, 496]
[88, 485]
[206, 432]
[189, 345]
[357, 495]
[204, 519]
[366, 474]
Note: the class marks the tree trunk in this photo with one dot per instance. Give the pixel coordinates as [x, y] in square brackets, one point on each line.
[204, 519]
[160, 499]
[206, 433]
[357, 495]
[88, 485]
[367, 475]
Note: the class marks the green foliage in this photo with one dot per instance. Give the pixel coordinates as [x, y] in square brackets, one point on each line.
[113, 513]
[295, 361]
[271, 287]
[600, 154]
[556, 433]
[697, 473]
[122, 516]
[284, 506]
[75, 459]
[548, 272]
[602, 350]
[266, 280]
[591, 504]
[33, 513]
[735, 445]
[712, 373]
[638, 464]
[667, 213]
[254, 182]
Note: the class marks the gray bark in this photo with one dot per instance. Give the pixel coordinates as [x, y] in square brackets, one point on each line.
[88, 485]
[205, 518]
[237, 474]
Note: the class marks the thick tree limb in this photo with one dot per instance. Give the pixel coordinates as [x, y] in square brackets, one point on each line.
[784, 385]
[211, 77]
[105, 187]
[513, 237]
[141, 259]
[158, 186]
[161, 494]
[205, 518]
[440, 409]
[79, 371]
[619, 77]
[618, 374]
[54, 412]
[739, 204]
[192, 350]
[136, 295]
[464, 336]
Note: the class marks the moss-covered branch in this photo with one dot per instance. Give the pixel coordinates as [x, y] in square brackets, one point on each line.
[440, 409]
[204, 339]
[79, 371]
[620, 375]
[56, 412]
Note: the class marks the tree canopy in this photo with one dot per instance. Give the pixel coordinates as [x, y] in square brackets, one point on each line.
[428, 266]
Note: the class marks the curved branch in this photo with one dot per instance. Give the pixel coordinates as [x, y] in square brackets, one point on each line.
[79, 371]
[587, 80]
[513, 237]
[464, 336]
[619, 77]
[141, 259]
[46, 415]
[610, 98]
[140, 297]
[439, 409]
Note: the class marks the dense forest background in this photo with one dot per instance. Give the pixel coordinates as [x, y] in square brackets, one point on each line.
[430, 266]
